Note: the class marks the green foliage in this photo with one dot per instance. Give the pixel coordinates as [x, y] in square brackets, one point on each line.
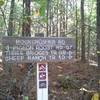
[42, 8]
[2, 2]
[17, 11]
[68, 82]
[1, 26]
[1, 22]
[43, 5]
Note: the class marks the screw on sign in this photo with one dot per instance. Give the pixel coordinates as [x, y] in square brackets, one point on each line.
[42, 67]
[42, 75]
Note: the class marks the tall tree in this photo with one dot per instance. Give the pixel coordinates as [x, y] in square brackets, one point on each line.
[48, 7]
[98, 31]
[26, 27]
[10, 30]
[76, 14]
[82, 32]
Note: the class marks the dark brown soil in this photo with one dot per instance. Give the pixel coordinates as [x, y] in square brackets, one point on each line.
[82, 74]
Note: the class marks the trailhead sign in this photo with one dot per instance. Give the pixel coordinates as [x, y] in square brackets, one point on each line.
[27, 49]
[40, 50]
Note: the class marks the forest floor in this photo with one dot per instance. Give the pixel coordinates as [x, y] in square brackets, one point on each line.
[67, 80]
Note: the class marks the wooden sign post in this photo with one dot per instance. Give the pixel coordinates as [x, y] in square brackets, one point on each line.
[42, 81]
[29, 50]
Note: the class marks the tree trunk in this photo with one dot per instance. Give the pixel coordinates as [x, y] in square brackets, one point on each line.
[89, 35]
[76, 32]
[4, 17]
[10, 30]
[82, 33]
[26, 31]
[60, 22]
[98, 32]
[57, 19]
[89, 31]
[50, 21]
[66, 26]
[48, 7]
